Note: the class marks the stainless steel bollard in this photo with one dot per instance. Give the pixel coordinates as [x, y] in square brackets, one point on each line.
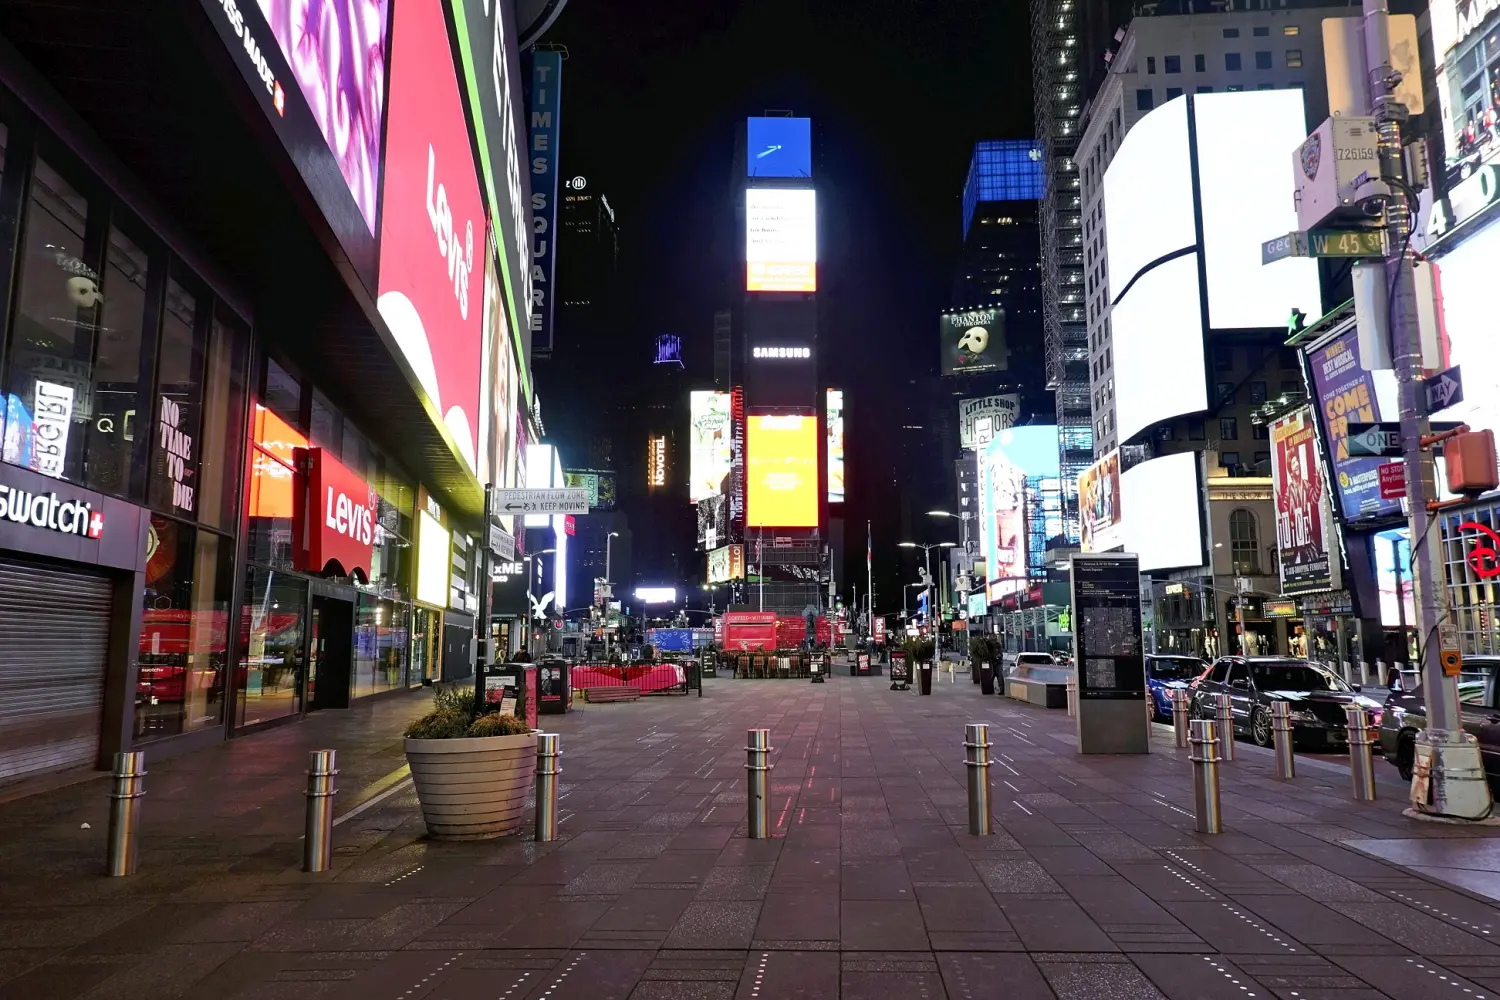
[548, 767]
[1226, 727]
[758, 782]
[1202, 743]
[125, 811]
[1281, 734]
[977, 761]
[1361, 763]
[317, 827]
[1072, 696]
[1180, 716]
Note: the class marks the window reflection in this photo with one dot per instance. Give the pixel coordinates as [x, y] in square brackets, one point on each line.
[50, 386]
[184, 630]
[271, 654]
[176, 439]
[119, 405]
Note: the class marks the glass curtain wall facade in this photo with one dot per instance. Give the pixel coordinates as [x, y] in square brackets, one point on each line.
[123, 373]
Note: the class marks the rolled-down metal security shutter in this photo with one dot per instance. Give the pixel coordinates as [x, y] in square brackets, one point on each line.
[54, 638]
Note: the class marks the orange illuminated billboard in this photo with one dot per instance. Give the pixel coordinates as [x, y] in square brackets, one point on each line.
[782, 474]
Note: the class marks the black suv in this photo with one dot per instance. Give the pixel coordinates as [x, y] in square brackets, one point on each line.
[1316, 694]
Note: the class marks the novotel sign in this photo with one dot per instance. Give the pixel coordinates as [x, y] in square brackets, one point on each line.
[50, 512]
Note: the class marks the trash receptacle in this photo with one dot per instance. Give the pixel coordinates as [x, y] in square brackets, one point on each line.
[511, 688]
[554, 688]
[925, 678]
[986, 679]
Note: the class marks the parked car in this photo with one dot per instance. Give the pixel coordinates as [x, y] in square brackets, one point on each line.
[1015, 660]
[1479, 710]
[1317, 696]
[1165, 673]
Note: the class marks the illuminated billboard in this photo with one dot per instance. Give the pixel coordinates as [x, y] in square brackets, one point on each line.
[1099, 504]
[432, 225]
[710, 443]
[543, 470]
[782, 471]
[1162, 504]
[434, 564]
[835, 427]
[778, 147]
[1302, 515]
[781, 240]
[973, 340]
[726, 563]
[1020, 505]
[1158, 348]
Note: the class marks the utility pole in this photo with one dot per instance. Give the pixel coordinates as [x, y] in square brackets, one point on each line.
[487, 588]
[1456, 786]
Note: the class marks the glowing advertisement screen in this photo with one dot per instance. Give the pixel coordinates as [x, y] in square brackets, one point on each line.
[710, 443]
[1148, 194]
[1161, 499]
[781, 240]
[1297, 482]
[1020, 505]
[1346, 393]
[835, 428]
[1467, 275]
[1158, 348]
[432, 233]
[782, 471]
[778, 147]
[1099, 504]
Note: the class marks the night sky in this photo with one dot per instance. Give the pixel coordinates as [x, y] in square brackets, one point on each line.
[898, 90]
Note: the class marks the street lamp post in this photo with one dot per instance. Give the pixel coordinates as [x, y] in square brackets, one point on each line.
[927, 556]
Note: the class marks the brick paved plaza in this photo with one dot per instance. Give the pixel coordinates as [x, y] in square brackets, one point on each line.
[1094, 884]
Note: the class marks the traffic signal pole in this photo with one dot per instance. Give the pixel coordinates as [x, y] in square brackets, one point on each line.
[1450, 781]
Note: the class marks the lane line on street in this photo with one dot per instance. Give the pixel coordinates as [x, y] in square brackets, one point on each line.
[373, 801]
[1021, 807]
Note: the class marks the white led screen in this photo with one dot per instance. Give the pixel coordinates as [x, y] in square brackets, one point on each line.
[1245, 185]
[781, 240]
[1468, 301]
[1161, 500]
[1158, 348]
[1148, 195]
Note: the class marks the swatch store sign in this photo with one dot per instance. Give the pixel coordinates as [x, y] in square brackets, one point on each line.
[50, 512]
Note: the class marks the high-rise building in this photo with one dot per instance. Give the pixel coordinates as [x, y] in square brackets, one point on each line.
[1065, 35]
[1159, 58]
[588, 255]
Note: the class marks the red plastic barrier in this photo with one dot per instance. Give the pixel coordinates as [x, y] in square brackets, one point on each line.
[645, 678]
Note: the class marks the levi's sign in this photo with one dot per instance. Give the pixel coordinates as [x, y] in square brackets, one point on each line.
[556, 501]
[345, 508]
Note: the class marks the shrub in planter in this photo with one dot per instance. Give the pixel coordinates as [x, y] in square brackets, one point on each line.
[472, 771]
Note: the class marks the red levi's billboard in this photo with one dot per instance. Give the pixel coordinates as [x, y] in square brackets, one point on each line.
[432, 223]
[341, 521]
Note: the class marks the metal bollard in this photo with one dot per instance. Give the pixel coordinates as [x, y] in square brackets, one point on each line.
[977, 760]
[317, 827]
[1180, 716]
[1281, 734]
[1226, 727]
[1202, 743]
[548, 752]
[1072, 696]
[758, 781]
[125, 811]
[1361, 764]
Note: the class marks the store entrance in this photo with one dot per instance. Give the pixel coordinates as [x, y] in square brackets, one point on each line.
[330, 652]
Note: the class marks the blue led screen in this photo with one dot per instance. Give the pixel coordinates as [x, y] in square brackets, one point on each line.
[778, 147]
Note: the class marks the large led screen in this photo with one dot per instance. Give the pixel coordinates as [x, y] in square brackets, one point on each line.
[782, 473]
[1469, 313]
[337, 52]
[432, 231]
[1162, 501]
[1158, 348]
[710, 443]
[778, 147]
[1148, 194]
[1302, 515]
[1020, 505]
[1244, 141]
[781, 240]
[835, 428]
[1099, 504]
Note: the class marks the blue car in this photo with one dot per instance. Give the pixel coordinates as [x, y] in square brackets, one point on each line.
[1166, 672]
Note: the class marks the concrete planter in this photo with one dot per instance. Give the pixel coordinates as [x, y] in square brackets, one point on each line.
[472, 789]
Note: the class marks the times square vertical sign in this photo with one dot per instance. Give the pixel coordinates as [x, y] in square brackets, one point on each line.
[546, 101]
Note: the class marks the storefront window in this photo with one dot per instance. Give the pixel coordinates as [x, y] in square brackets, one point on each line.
[49, 386]
[176, 438]
[117, 421]
[223, 407]
[271, 655]
[271, 493]
[184, 630]
[366, 641]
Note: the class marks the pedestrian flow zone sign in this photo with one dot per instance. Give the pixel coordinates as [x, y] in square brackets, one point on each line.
[573, 500]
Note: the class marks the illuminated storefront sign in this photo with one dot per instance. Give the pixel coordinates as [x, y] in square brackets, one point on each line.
[50, 512]
[656, 461]
[434, 568]
[343, 532]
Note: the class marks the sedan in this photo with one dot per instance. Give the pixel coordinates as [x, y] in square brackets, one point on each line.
[1316, 694]
[1164, 674]
[1479, 710]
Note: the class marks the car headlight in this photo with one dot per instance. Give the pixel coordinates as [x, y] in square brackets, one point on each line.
[1303, 715]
